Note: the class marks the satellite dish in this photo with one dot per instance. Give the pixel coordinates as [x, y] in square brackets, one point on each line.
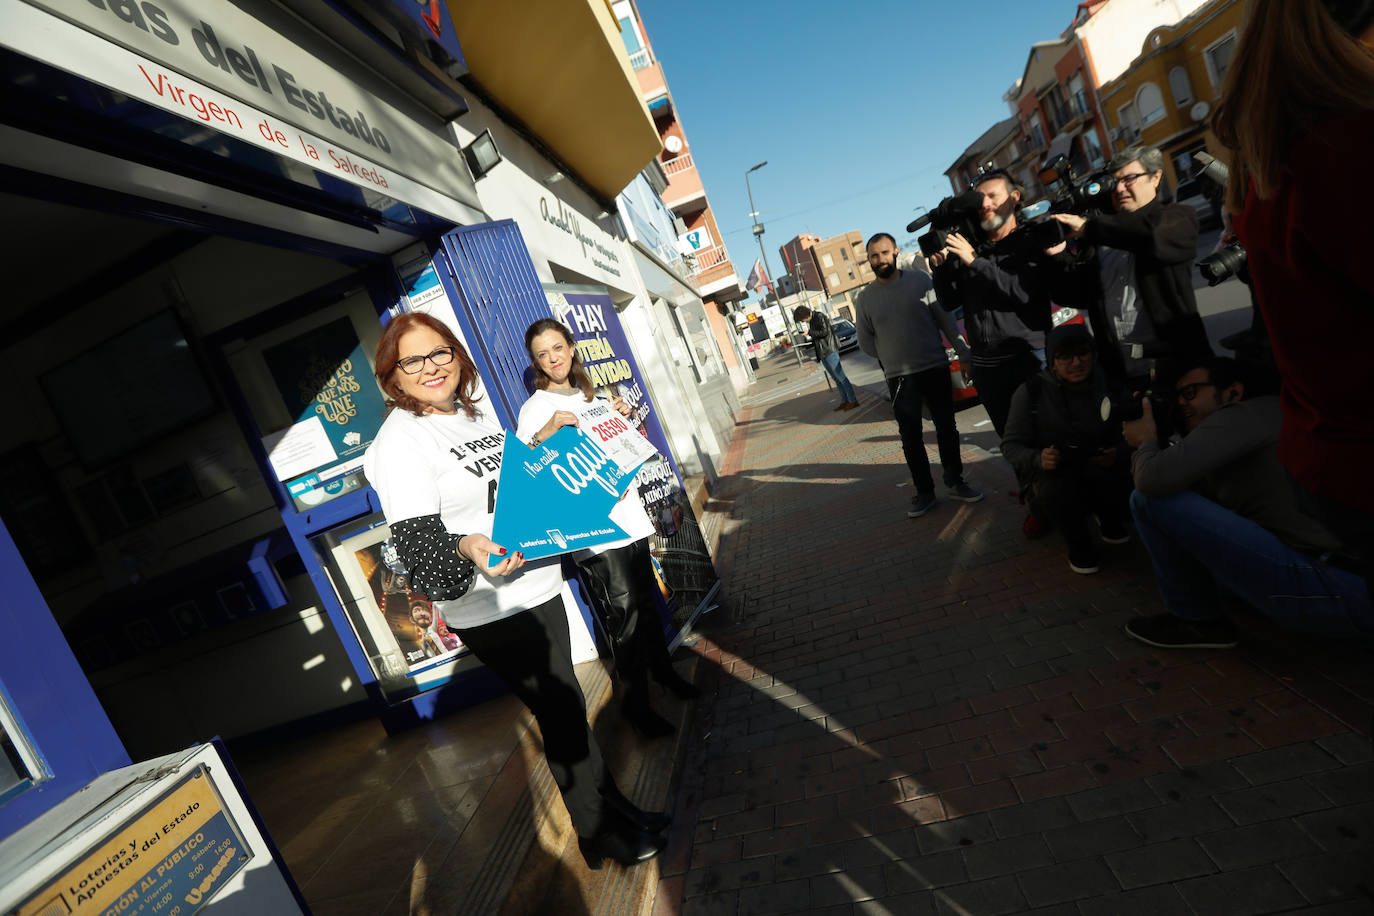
[1199, 111]
[673, 144]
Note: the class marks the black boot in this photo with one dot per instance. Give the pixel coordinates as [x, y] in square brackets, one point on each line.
[626, 845]
[636, 710]
[676, 684]
[648, 821]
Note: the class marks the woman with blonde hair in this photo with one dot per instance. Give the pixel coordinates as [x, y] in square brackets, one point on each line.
[1297, 114]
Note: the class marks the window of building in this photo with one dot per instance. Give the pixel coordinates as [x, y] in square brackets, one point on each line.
[629, 35]
[844, 253]
[1180, 87]
[1149, 102]
[1217, 56]
[851, 273]
[1127, 117]
[834, 280]
[1093, 149]
[827, 260]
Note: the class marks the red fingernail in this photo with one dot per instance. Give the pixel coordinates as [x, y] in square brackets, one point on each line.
[501, 552]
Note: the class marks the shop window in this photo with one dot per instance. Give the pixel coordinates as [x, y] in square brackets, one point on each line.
[1180, 87]
[1149, 101]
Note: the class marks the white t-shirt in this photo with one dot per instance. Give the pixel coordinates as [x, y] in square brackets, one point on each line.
[449, 465]
[629, 512]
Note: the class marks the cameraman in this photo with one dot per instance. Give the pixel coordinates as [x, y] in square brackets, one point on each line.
[1074, 462]
[1138, 290]
[1003, 289]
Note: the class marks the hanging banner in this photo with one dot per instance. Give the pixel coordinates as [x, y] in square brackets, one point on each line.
[686, 574]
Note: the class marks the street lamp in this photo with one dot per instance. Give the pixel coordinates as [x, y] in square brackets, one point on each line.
[758, 234]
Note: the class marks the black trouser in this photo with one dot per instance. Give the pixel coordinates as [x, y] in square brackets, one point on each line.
[996, 384]
[931, 387]
[532, 653]
[622, 584]
[1068, 495]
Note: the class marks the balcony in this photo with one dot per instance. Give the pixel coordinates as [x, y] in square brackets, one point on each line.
[708, 258]
[685, 193]
[640, 59]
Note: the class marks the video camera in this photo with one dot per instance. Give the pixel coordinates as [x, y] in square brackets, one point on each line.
[1229, 261]
[953, 214]
[1083, 197]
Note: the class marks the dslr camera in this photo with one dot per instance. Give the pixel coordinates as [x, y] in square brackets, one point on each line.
[1229, 261]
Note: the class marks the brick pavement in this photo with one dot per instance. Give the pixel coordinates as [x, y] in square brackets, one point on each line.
[937, 716]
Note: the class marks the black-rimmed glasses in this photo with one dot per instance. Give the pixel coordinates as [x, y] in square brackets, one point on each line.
[1188, 392]
[413, 365]
[1129, 180]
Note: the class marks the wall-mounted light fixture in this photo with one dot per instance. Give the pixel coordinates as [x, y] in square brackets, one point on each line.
[481, 155]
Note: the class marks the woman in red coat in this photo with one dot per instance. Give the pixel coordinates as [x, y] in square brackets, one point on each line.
[1297, 113]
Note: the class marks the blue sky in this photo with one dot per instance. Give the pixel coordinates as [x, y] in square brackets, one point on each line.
[858, 108]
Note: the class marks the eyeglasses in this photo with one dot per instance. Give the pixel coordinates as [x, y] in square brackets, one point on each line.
[1129, 180]
[1188, 392]
[412, 365]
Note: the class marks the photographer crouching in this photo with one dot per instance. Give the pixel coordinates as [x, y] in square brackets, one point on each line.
[1003, 288]
[1138, 289]
[1217, 510]
[1073, 462]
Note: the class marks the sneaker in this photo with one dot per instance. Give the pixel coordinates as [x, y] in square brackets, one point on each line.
[921, 503]
[1113, 531]
[1167, 631]
[1084, 562]
[965, 493]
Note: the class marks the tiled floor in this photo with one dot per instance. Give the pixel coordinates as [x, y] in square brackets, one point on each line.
[902, 716]
[936, 715]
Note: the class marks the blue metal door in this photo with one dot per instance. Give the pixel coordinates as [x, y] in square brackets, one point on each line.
[51, 707]
[500, 297]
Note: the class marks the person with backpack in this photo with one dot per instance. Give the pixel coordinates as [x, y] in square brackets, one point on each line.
[827, 353]
[1068, 451]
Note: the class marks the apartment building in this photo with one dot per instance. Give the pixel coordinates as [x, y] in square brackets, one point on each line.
[843, 267]
[712, 272]
[1164, 98]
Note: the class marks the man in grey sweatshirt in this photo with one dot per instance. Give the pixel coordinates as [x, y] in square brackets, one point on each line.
[899, 324]
[1219, 509]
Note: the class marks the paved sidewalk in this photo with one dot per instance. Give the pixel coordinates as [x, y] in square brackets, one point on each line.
[937, 715]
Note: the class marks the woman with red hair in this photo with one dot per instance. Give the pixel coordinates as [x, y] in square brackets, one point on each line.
[439, 497]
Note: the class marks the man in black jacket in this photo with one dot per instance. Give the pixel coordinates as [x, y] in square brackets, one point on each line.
[827, 353]
[1004, 291]
[1073, 461]
[1138, 290]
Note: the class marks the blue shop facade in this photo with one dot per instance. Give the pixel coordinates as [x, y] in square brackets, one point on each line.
[213, 208]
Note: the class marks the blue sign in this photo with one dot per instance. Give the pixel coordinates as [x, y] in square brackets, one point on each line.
[557, 497]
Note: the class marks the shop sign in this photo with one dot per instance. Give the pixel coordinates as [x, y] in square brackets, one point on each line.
[565, 219]
[694, 241]
[169, 860]
[212, 62]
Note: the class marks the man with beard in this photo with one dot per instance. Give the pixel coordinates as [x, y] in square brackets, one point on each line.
[1003, 288]
[900, 326]
[1138, 290]
[1218, 511]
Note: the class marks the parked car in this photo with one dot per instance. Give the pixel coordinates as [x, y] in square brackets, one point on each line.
[846, 335]
[1189, 193]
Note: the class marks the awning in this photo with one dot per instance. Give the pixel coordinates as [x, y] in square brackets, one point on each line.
[1060, 146]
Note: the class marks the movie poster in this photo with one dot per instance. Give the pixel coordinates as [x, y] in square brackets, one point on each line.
[681, 558]
[420, 633]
